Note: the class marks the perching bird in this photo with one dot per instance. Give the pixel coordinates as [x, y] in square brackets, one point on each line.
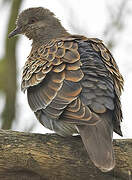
[73, 84]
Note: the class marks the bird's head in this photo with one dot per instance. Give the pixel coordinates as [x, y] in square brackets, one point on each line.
[37, 24]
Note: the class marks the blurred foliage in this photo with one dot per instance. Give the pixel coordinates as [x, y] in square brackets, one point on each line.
[3, 2]
[116, 22]
[8, 70]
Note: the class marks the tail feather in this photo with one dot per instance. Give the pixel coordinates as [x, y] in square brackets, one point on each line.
[98, 143]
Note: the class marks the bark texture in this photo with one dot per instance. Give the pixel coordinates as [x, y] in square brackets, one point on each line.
[25, 156]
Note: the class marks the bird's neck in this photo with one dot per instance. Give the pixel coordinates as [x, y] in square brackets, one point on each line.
[45, 37]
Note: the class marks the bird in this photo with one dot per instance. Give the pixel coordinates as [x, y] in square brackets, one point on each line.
[73, 84]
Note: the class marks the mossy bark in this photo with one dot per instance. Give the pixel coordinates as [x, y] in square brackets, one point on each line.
[51, 157]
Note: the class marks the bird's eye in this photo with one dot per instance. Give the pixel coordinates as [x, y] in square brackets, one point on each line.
[32, 20]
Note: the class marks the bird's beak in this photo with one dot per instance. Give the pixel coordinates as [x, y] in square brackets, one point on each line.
[15, 32]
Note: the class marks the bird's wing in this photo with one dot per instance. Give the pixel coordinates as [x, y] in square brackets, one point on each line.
[55, 76]
[52, 78]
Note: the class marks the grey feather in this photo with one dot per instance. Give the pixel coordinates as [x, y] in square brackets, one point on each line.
[98, 143]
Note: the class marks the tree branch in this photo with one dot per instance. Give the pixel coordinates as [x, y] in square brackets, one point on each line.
[51, 157]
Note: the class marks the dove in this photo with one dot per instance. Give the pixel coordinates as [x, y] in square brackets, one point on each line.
[73, 84]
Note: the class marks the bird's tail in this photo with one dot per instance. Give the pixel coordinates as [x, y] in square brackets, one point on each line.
[98, 143]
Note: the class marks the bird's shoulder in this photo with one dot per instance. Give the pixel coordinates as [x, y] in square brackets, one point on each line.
[51, 74]
[57, 55]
